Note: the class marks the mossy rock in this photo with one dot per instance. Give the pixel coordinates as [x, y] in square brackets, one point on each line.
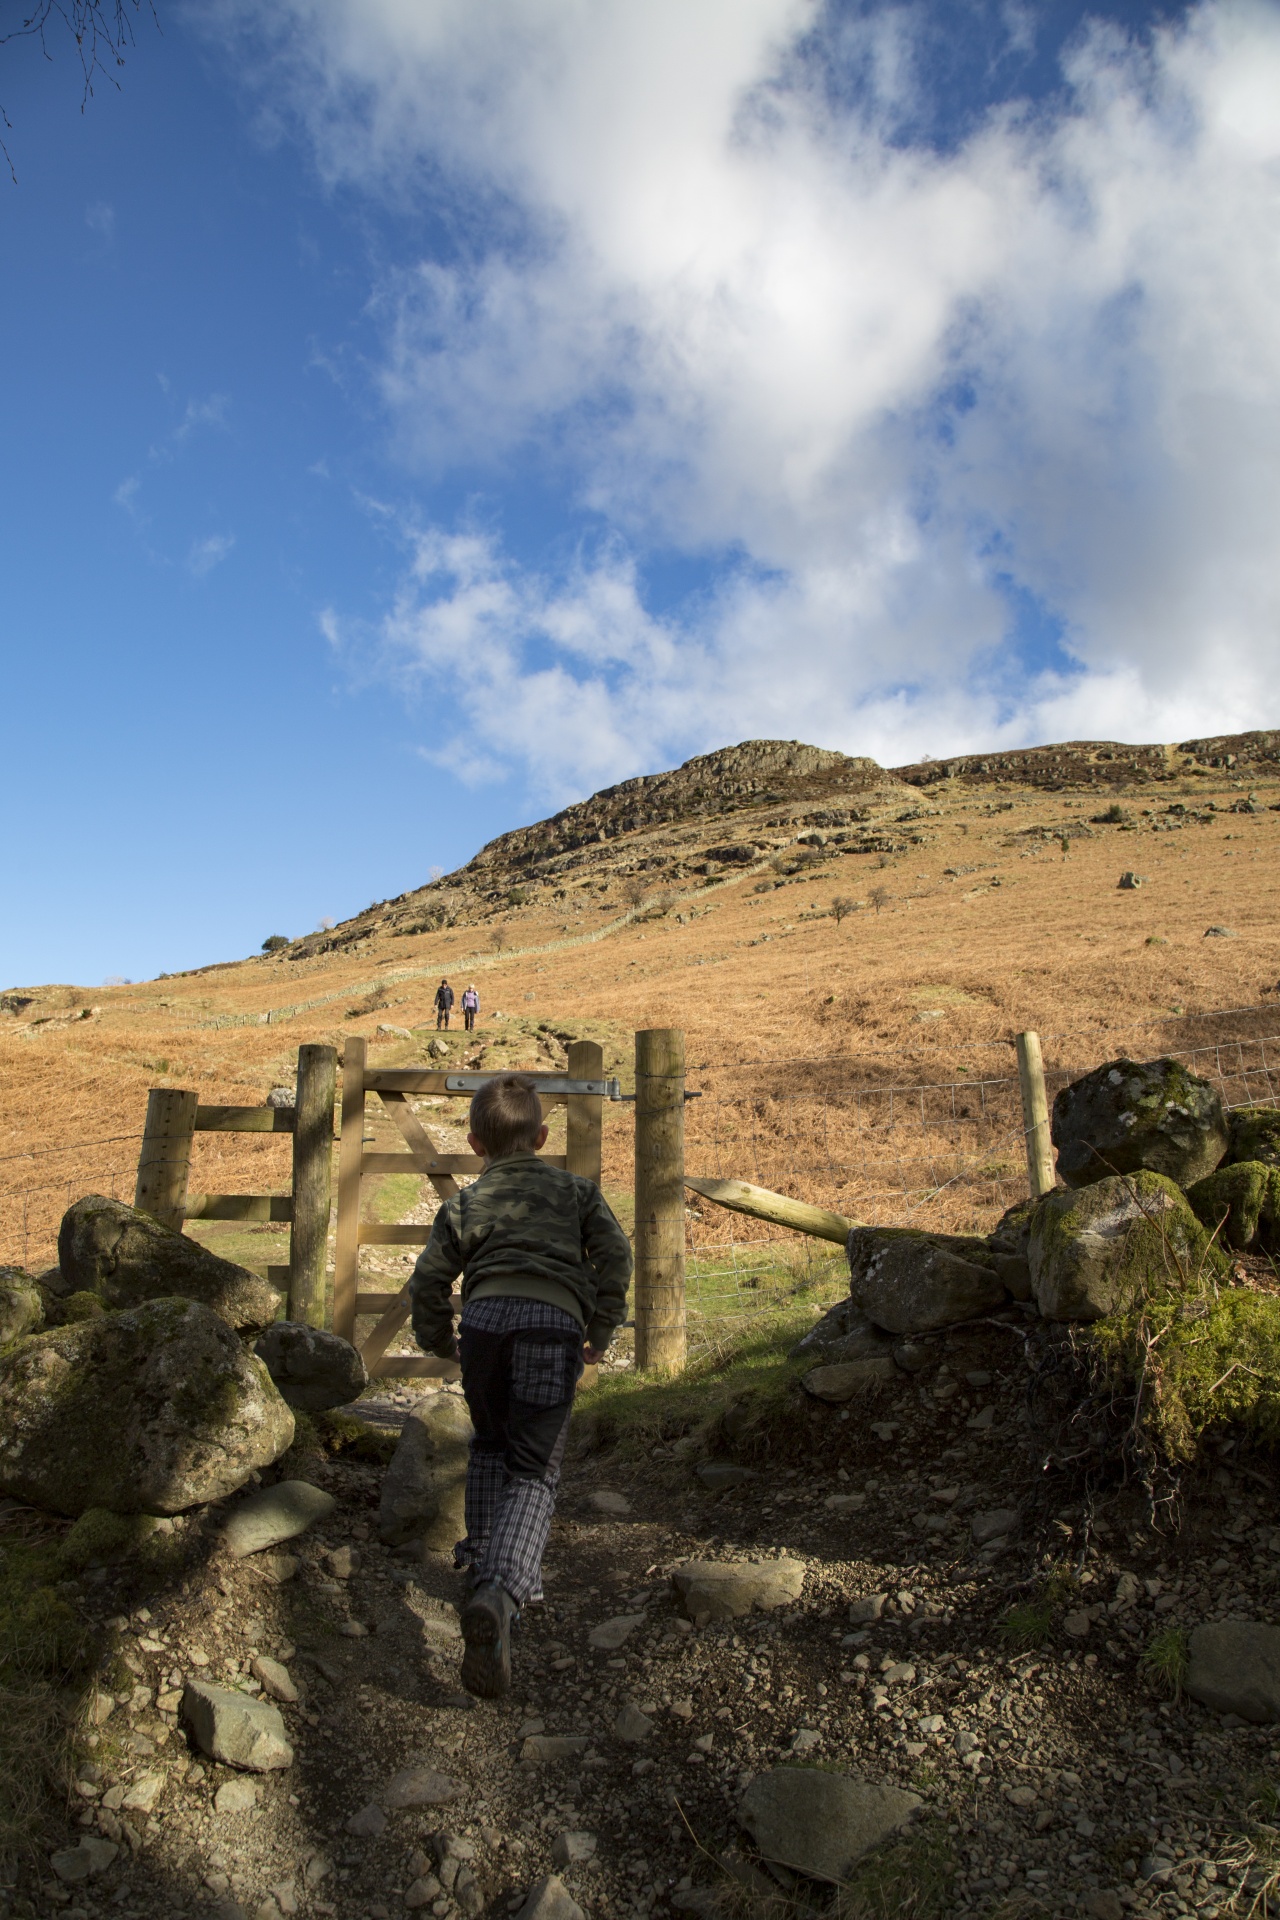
[1255, 1135]
[1203, 1361]
[74, 1308]
[1129, 1115]
[21, 1305]
[125, 1256]
[1241, 1204]
[100, 1535]
[1093, 1249]
[153, 1410]
[911, 1282]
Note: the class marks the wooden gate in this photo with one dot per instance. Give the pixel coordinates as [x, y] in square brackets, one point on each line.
[582, 1090]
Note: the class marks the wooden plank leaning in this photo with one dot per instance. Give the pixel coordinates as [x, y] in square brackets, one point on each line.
[763, 1204]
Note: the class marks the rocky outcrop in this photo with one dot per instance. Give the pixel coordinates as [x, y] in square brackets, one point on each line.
[842, 1334]
[1092, 1249]
[153, 1410]
[911, 1282]
[422, 1492]
[125, 1257]
[1128, 1115]
[1241, 1204]
[313, 1369]
[21, 1307]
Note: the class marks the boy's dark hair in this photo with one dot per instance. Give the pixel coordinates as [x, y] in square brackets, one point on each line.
[506, 1115]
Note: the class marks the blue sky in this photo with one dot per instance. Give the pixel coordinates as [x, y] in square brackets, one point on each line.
[418, 416]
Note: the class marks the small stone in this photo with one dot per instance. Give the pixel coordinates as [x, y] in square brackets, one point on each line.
[236, 1729]
[553, 1746]
[869, 1608]
[1077, 1624]
[342, 1562]
[571, 1848]
[720, 1474]
[144, 1793]
[611, 1634]
[605, 1500]
[275, 1514]
[83, 1862]
[550, 1899]
[419, 1787]
[1021, 1796]
[368, 1823]
[422, 1891]
[278, 1567]
[274, 1679]
[821, 1823]
[1104, 1904]
[994, 1525]
[354, 1630]
[236, 1796]
[632, 1726]
[102, 1708]
[727, 1589]
[847, 1379]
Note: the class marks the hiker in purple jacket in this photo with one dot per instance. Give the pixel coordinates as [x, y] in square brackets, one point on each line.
[470, 1008]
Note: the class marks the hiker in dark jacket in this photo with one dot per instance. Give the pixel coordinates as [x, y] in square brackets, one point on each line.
[444, 1003]
[544, 1268]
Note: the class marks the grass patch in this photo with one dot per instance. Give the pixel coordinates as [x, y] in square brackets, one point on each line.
[1030, 1623]
[1165, 1658]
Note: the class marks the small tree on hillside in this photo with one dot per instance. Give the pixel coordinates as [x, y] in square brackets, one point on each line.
[634, 890]
[879, 897]
[274, 942]
[841, 906]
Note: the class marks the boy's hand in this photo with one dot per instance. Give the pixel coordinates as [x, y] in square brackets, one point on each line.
[592, 1356]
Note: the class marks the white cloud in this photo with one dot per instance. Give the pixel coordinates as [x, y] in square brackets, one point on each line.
[101, 219]
[903, 389]
[206, 554]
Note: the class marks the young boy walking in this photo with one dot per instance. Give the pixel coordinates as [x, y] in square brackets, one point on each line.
[544, 1268]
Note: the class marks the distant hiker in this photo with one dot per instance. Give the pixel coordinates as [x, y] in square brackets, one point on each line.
[470, 1007]
[444, 1003]
[544, 1268]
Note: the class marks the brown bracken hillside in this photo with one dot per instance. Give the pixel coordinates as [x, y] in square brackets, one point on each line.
[813, 921]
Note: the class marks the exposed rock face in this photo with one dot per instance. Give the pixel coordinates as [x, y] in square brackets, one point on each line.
[726, 1589]
[21, 1308]
[1241, 1204]
[1255, 1135]
[1130, 1114]
[1235, 1668]
[422, 1493]
[153, 1410]
[909, 1282]
[821, 1823]
[1090, 1249]
[126, 1257]
[313, 1369]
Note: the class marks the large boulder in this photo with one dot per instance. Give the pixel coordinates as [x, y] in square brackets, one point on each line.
[126, 1257]
[911, 1282]
[1241, 1204]
[1128, 1115]
[21, 1307]
[1093, 1248]
[1255, 1135]
[313, 1369]
[820, 1823]
[422, 1491]
[153, 1410]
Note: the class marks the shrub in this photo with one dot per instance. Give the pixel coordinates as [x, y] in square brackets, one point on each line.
[274, 942]
[1166, 1658]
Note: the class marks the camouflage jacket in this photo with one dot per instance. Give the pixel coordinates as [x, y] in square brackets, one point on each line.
[527, 1230]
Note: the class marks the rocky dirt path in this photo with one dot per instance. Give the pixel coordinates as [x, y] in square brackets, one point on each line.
[1054, 1779]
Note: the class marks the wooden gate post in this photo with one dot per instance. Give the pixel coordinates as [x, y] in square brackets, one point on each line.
[584, 1129]
[346, 1253]
[312, 1182]
[659, 1291]
[165, 1160]
[1035, 1115]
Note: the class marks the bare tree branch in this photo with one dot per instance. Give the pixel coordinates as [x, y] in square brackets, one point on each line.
[101, 29]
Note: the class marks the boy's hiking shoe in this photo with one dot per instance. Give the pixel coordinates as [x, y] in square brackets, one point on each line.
[487, 1619]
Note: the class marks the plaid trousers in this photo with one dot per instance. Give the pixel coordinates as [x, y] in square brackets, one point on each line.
[520, 1365]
